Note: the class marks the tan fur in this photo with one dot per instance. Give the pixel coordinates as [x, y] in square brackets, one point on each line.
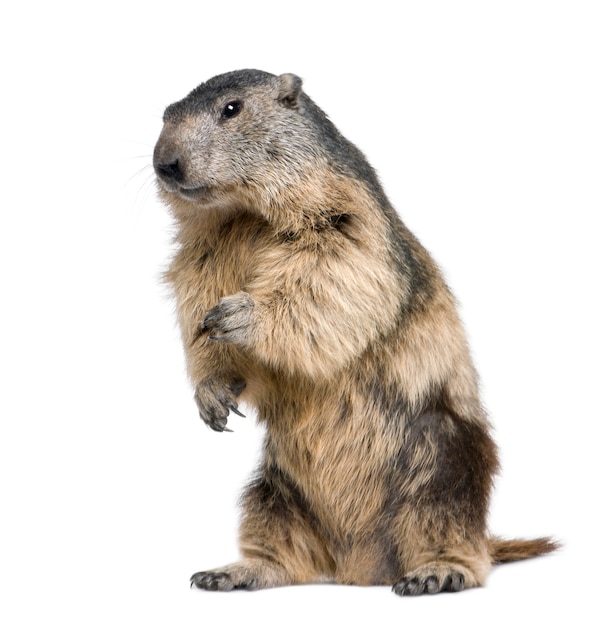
[301, 293]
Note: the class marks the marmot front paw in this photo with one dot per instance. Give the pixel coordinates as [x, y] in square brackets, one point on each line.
[230, 320]
[215, 400]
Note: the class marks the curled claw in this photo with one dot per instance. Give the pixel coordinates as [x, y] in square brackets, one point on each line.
[205, 326]
[211, 318]
[234, 409]
[197, 335]
[229, 321]
[219, 426]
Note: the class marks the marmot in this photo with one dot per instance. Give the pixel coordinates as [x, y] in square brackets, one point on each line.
[301, 292]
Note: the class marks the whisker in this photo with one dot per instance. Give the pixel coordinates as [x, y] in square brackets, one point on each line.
[140, 186]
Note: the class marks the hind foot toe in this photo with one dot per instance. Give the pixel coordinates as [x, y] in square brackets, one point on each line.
[432, 579]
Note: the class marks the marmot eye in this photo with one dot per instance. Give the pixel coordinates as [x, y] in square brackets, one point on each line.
[231, 109]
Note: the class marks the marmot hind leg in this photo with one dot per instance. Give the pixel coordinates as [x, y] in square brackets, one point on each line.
[461, 565]
[279, 540]
[441, 524]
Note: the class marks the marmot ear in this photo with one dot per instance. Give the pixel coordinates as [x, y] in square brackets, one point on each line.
[289, 88]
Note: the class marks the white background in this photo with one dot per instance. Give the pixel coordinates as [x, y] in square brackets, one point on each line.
[483, 120]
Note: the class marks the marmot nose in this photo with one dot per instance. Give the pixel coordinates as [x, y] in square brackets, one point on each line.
[170, 170]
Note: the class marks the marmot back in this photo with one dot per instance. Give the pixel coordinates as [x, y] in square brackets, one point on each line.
[301, 293]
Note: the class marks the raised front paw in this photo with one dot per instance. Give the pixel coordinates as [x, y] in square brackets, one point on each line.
[230, 320]
[215, 400]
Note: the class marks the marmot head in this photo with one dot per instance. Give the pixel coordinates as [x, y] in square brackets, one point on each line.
[236, 133]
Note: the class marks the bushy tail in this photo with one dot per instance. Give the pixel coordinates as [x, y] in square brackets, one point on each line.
[507, 550]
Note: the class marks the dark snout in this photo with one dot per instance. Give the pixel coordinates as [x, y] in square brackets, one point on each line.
[167, 161]
[182, 158]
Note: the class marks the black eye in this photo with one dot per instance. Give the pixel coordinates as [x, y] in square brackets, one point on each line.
[231, 109]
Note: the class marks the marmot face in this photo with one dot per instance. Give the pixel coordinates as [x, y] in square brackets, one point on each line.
[230, 135]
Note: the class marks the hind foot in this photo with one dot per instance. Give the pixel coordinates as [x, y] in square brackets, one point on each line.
[434, 578]
[249, 575]
[215, 580]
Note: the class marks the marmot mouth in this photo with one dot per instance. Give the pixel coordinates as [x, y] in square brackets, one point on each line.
[194, 193]
[197, 192]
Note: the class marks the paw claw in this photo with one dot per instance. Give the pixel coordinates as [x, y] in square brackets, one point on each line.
[432, 584]
[454, 582]
[219, 426]
[234, 409]
[211, 581]
[215, 400]
[409, 587]
[230, 320]
[429, 581]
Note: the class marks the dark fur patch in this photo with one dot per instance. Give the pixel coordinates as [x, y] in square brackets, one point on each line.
[419, 275]
[387, 398]
[461, 461]
[278, 512]
[339, 222]
[202, 260]
[275, 494]
[345, 409]
[203, 96]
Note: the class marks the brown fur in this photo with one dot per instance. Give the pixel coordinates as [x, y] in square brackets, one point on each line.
[300, 292]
